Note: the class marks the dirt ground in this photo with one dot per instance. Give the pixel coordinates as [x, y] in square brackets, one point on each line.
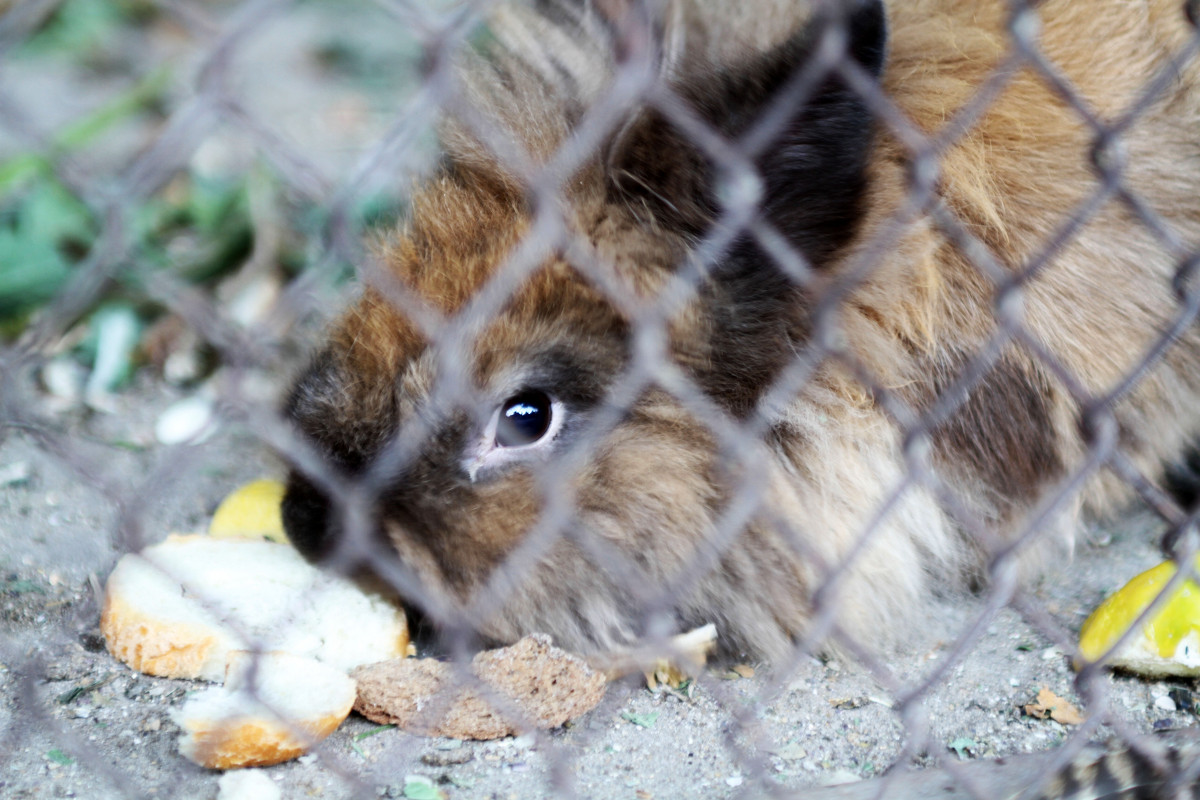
[76, 723]
[80, 488]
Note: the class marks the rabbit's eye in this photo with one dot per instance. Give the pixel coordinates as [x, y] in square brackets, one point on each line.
[524, 419]
[521, 430]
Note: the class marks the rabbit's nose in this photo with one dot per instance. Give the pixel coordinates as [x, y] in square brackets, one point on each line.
[307, 520]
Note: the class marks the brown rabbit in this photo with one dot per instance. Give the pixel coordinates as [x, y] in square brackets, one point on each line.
[694, 326]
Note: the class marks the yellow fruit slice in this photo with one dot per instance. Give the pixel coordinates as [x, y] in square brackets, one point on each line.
[251, 512]
[1169, 641]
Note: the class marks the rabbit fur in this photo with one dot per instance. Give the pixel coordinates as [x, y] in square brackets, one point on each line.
[792, 405]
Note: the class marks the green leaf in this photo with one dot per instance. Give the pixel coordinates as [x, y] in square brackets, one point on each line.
[211, 203]
[379, 210]
[128, 445]
[50, 213]
[962, 746]
[117, 331]
[70, 695]
[21, 169]
[23, 587]
[59, 757]
[31, 272]
[77, 27]
[641, 720]
[418, 787]
[372, 732]
[83, 132]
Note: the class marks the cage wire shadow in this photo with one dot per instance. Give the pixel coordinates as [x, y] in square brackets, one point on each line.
[251, 361]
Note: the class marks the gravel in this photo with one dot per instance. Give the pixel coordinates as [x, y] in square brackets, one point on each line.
[76, 723]
[93, 485]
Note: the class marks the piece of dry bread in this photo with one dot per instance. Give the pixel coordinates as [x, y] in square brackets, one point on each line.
[533, 684]
[178, 608]
[272, 708]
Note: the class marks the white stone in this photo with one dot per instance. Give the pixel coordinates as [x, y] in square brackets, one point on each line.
[247, 784]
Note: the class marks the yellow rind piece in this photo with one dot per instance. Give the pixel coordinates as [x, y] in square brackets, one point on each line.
[1177, 618]
[252, 511]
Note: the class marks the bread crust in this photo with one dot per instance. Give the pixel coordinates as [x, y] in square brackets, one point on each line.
[141, 617]
[294, 703]
[166, 648]
[218, 744]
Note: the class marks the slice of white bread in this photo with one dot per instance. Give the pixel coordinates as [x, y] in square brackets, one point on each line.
[178, 608]
[272, 708]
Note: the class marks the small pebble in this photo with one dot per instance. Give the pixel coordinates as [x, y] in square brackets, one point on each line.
[840, 776]
[63, 378]
[447, 758]
[247, 784]
[791, 752]
[188, 420]
[15, 473]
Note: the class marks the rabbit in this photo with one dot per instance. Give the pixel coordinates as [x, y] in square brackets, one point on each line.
[784, 317]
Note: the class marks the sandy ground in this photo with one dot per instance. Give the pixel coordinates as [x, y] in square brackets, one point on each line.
[76, 723]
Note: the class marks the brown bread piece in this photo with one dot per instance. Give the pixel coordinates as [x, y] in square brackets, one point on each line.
[531, 684]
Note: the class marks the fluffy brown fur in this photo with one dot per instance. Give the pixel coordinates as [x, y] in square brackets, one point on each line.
[642, 510]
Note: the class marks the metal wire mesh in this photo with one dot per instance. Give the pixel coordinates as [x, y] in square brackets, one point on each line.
[846, 359]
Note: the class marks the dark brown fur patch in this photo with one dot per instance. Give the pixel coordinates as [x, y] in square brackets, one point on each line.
[1003, 431]
[465, 532]
[812, 168]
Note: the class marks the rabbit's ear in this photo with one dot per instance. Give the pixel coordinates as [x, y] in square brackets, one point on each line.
[812, 165]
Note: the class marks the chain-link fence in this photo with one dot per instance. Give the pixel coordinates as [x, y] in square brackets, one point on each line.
[836, 327]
